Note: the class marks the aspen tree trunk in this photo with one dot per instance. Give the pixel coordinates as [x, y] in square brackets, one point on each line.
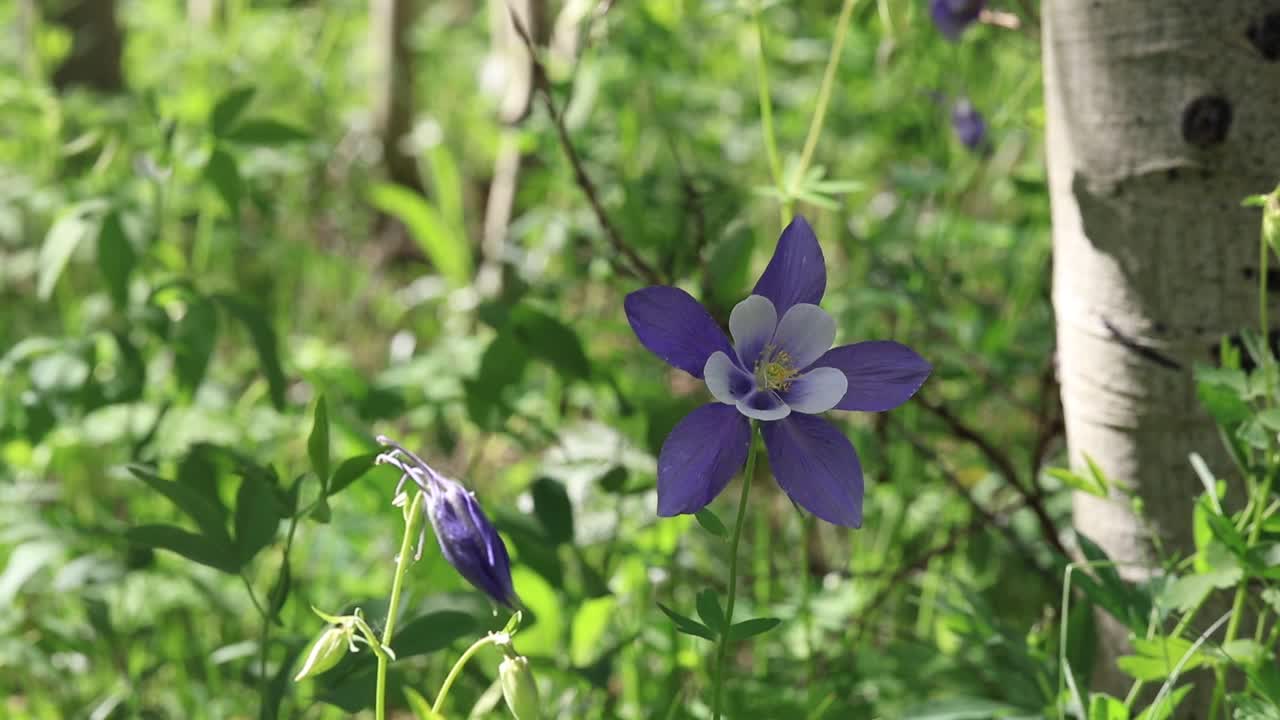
[1162, 116]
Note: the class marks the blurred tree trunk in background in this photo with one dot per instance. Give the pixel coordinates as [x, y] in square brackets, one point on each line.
[389, 24]
[201, 12]
[1162, 117]
[508, 52]
[97, 44]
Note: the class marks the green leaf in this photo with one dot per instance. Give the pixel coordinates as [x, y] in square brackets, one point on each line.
[1157, 657]
[1077, 481]
[256, 518]
[265, 131]
[66, 234]
[1243, 652]
[1187, 592]
[553, 509]
[116, 258]
[351, 470]
[751, 628]
[432, 632]
[279, 592]
[446, 249]
[265, 342]
[318, 443]
[419, 705]
[687, 625]
[1105, 707]
[961, 708]
[207, 516]
[549, 340]
[588, 630]
[193, 341]
[447, 184]
[709, 610]
[711, 523]
[223, 174]
[228, 109]
[197, 548]
[728, 267]
[1165, 708]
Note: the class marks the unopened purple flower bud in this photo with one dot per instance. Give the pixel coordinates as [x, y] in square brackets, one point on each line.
[953, 16]
[968, 124]
[467, 539]
[470, 543]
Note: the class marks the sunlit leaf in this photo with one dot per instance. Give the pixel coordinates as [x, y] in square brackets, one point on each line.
[445, 248]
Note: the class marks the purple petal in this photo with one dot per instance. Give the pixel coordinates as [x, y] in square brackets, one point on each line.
[764, 405]
[470, 543]
[675, 327]
[953, 16]
[882, 374]
[805, 332]
[751, 324]
[816, 465]
[699, 457]
[816, 391]
[727, 382]
[797, 273]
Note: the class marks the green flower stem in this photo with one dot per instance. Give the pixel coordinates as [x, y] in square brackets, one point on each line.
[1237, 605]
[723, 651]
[824, 95]
[393, 608]
[457, 670]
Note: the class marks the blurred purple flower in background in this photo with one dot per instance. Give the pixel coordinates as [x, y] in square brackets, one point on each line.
[953, 16]
[968, 123]
[780, 369]
[467, 539]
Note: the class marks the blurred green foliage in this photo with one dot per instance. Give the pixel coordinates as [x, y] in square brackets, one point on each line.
[209, 313]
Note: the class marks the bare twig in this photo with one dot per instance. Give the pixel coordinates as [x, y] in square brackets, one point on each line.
[986, 515]
[1004, 466]
[637, 265]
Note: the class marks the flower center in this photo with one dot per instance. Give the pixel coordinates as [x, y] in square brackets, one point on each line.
[774, 369]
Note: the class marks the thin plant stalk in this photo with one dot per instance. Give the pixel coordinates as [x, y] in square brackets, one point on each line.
[824, 96]
[723, 651]
[457, 670]
[766, 111]
[393, 607]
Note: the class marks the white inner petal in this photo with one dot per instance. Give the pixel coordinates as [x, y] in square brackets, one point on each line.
[805, 333]
[752, 323]
[816, 391]
[774, 408]
[723, 378]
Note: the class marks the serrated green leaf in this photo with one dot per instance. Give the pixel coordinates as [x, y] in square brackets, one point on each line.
[1105, 707]
[445, 248]
[1164, 709]
[197, 548]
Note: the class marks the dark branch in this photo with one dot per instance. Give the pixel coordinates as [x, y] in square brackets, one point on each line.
[638, 267]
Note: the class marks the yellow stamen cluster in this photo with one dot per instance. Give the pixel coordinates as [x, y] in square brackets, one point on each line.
[774, 370]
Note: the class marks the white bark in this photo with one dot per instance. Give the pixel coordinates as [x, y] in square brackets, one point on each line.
[1162, 116]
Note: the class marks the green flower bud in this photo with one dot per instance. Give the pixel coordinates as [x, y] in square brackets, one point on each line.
[326, 651]
[1271, 221]
[519, 689]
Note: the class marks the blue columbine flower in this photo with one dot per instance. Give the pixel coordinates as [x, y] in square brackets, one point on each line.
[780, 371]
[467, 538]
[953, 16]
[968, 124]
